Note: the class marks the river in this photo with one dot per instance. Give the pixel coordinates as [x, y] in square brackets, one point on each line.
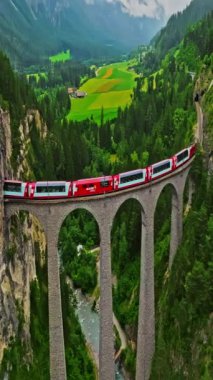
[89, 321]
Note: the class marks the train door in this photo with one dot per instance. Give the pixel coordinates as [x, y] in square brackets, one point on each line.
[31, 190]
[74, 189]
[149, 173]
[70, 190]
[116, 182]
[174, 160]
[26, 190]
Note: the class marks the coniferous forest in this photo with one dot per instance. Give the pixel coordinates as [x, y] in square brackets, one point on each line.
[160, 121]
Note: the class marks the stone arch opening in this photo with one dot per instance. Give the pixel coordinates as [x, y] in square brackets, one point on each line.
[79, 253]
[166, 200]
[168, 228]
[24, 291]
[126, 237]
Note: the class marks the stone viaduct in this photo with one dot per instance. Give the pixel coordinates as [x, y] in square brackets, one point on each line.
[51, 215]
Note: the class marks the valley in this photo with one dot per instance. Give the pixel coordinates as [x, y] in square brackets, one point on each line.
[82, 97]
[109, 90]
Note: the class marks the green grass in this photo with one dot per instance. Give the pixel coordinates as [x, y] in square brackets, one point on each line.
[144, 86]
[61, 57]
[95, 114]
[112, 88]
[37, 76]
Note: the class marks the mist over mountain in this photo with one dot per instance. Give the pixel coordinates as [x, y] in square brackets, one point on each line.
[150, 8]
[30, 30]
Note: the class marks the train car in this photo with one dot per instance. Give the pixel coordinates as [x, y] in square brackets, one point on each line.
[15, 189]
[160, 169]
[129, 179]
[192, 150]
[184, 155]
[92, 186]
[49, 190]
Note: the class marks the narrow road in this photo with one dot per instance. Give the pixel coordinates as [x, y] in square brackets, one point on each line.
[200, 119]
[199, 129]
[198, 136]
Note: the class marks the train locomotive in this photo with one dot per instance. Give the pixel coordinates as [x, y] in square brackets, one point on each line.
[96, 186]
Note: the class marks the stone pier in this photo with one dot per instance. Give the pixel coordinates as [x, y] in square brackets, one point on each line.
[56, 335]
[146, 318]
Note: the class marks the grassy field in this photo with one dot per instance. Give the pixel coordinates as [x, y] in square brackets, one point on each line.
[37, 76]
[61, 57]
[112, 88]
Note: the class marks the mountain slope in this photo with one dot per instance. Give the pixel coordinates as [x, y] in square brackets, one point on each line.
[33, 29]
[21, 33]
[178, 24]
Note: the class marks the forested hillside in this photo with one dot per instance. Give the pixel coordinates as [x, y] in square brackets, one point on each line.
[175, 29]
[159, 122]
[184, 296]
[31, 31]
[14, 93]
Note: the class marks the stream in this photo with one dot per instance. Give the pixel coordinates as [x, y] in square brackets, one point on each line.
[89, 321]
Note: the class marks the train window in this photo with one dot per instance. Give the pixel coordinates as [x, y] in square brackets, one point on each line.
[182, 155]
[13, 187]
[104, 183]
[56, 189]
[50, 189]
[41, 189]
[161, 167]
[131, 177]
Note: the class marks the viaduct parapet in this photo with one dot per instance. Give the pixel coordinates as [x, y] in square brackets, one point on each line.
[51, 215]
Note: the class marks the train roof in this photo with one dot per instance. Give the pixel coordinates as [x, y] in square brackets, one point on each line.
[183, 150]
[13, 181]
[54, 183]
[133, 172]
[162, 162]
[94, 180]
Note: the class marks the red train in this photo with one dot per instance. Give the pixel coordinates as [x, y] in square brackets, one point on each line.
[95, 186]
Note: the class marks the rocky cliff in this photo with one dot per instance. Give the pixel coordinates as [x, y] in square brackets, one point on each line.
[19, 243]
[5, 154]
[204, 92]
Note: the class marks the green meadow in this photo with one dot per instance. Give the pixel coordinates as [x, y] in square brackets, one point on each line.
[37, 76]
[61, 57]
[112, 88]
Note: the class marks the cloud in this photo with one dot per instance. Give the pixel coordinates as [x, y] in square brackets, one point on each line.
[139, 8]
[173, 6]
[151, 8]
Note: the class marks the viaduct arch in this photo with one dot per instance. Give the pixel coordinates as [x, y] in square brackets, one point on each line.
[104, 208]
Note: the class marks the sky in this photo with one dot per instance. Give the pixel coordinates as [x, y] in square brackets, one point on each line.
[150, 8]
